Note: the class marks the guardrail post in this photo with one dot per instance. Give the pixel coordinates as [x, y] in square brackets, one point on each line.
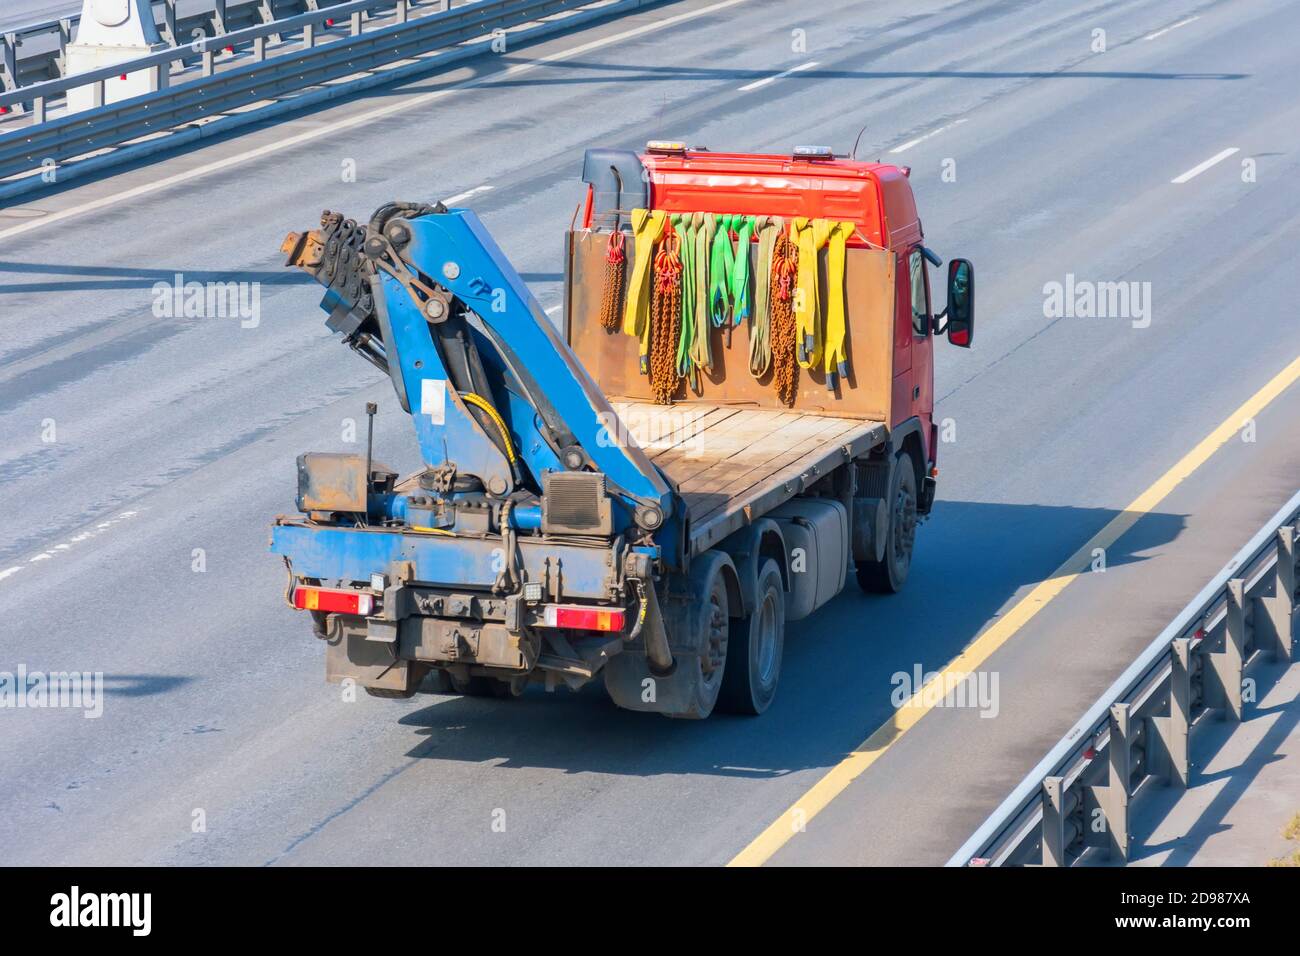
[259, 49]
[1227, 664]
[1167, 736]
[1275, 614]
[65, 37]
[38, 110]
[169, 23]
[400, 12]
[1112, 796]
[268, 16]
[209, 60]
[356, 23]
[219, 17]
[1054, 843]
[9, 66]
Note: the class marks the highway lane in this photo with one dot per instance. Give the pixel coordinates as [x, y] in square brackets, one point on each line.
[217, 700]
[19, 13]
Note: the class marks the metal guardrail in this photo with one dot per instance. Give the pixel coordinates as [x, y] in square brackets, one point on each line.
[209, 92]
[35, 52]
[1078, 795]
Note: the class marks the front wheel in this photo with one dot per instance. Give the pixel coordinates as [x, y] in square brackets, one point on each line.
[888, 575]
[754, 652]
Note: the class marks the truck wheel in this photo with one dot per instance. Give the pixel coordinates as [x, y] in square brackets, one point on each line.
[712, 660]
[480, 686]
[889, 575]
[754, 651]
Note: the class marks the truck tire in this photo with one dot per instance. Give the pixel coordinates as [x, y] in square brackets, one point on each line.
[481, 686]
[712, 659]
[890, 574]
[755, 649]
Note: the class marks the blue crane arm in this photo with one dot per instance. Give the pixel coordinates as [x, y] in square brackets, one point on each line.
[494, 391]
[456, 251]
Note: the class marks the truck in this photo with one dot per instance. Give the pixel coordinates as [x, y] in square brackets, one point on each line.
[576, 518]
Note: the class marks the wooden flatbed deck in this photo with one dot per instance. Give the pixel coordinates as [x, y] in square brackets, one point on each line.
[732, 463]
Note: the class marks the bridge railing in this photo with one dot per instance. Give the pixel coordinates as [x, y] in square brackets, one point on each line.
[35, 51]
[335, 43]
[1078, 796]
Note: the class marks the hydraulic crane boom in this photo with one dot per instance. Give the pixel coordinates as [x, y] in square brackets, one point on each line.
[425, 293]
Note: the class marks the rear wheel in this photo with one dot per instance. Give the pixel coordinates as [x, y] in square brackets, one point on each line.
[712, 659]
[888, 575]
[755, 649]
[482, 686]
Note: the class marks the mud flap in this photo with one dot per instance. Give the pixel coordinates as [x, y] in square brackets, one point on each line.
[370, 663]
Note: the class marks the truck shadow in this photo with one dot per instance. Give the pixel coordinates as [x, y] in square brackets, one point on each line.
[972, 558]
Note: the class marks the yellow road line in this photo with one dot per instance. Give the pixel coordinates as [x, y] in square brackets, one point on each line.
[796, 817]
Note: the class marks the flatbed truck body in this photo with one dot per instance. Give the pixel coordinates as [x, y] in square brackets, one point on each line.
[567, 527]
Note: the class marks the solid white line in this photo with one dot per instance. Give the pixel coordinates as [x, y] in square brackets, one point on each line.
[461, 197]
[221, 165]
[1197, 170]
[777, 76]
[921, 139]
[1175, 26]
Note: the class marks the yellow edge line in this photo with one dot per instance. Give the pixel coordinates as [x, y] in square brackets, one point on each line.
[796, 817]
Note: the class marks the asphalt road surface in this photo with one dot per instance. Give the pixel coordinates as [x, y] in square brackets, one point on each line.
[142, 456]
[19, 13]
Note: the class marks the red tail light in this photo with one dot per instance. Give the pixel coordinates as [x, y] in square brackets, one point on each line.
[581, 618]
[333, 600]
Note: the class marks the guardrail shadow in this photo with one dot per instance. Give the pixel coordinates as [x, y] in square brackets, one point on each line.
[75, 277]
[644, 73]
[972, 558]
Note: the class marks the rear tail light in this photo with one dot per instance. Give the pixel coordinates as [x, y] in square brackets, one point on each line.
[581, 618]
[333, 600]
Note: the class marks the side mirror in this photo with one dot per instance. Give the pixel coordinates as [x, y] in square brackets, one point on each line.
[961, 303]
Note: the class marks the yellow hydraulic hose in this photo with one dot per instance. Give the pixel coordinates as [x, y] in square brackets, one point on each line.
[478, 401]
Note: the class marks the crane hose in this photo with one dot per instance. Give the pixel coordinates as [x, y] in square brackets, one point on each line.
[478, 401]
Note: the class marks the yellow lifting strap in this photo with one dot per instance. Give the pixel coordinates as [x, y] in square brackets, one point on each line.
[647, 227]
[808, 235]
[837, 360]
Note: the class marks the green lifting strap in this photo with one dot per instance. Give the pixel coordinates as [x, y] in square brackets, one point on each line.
[721, 261]
[701, 349]
[739, 277]
[685, 227]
